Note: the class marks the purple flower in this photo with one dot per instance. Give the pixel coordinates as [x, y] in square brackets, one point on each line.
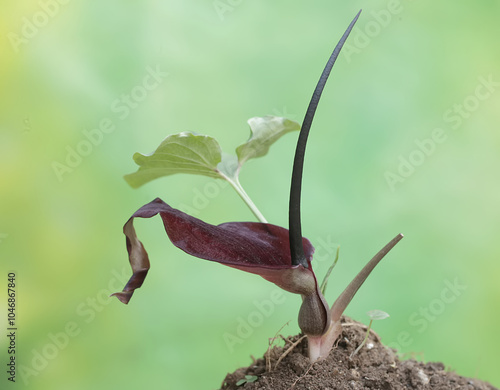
[258, 248]
[281, 256]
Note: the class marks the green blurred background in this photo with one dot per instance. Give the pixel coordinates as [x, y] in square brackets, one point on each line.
[410, 67]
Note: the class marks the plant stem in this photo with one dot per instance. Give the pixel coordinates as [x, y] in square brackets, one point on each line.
[325, 280]
[235, 183]
[364, 341]
[314, 347]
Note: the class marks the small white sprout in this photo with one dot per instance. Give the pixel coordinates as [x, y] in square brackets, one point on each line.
[374, 315]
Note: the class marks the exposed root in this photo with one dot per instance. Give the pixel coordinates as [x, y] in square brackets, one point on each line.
[302, 376]
[288, 351]
[271, 342]
[359, 325]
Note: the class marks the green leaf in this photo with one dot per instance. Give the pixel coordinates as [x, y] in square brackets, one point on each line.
[247, 379]
[377, 314]
[251, 378]
[178, 153]
[264, 132]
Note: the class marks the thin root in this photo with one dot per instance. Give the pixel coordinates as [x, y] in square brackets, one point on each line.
[377, 337]
[271, 342]
[302, 376]
[288, 351]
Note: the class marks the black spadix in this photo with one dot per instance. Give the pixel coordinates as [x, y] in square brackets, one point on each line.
[294, 221]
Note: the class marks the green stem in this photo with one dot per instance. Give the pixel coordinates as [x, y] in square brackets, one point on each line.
[235, 183]
[325, 280]
[364, 341]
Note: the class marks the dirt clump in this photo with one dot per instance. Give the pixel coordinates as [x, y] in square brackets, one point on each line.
[375, 367]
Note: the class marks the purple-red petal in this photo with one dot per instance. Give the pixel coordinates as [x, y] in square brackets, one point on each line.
[254, 247]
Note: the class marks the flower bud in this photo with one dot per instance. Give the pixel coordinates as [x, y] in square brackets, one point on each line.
[314, 315]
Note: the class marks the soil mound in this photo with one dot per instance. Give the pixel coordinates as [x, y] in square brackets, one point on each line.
[375, 366]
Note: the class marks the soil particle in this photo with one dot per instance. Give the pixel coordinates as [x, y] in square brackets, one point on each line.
[377, 368]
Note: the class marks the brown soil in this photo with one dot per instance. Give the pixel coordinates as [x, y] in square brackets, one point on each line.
[373, 367]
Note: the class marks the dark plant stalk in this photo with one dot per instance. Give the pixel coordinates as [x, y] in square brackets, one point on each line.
[295, 231]
[320, 347]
